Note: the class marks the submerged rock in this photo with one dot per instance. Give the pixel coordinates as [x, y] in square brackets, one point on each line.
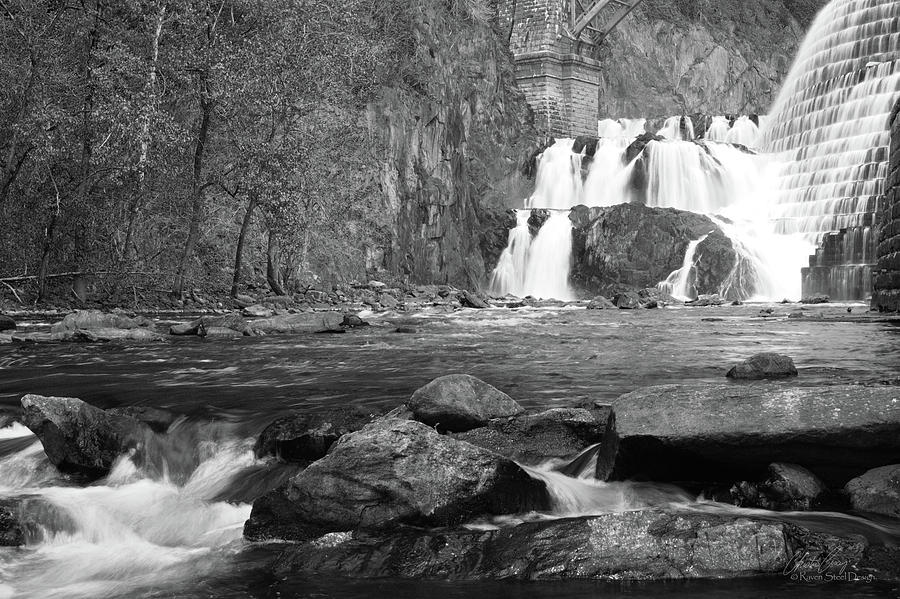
[876, 491]
[553, 433]
[307, 322]
[634, 545]
[157, 419]
[389, 473]
[78, 437]
[6, 323]
[600, 303]
[702, 301]
[12, 531]
[459, 402]
[353, 321]
[723, 433]
[788, 487]
[304, 437]
[768, 365]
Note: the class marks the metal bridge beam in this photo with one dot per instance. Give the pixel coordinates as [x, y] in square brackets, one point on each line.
[586, 15]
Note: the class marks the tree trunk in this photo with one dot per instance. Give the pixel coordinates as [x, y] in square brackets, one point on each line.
[80, 204]
[242, 238]
[45, 251]
[273, 265]
[137, 201]
[196, 192]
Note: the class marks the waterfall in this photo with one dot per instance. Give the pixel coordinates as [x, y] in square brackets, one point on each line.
[829, 131]
[547, 273]
[718, 129]
[744, 132]
[678, 128]
[540, 267]
[509, 276]
[679, 284]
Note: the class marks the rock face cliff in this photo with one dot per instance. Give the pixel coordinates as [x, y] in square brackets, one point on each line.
[709, 56]
[455, 135]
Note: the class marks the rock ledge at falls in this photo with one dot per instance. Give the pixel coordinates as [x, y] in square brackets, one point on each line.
[700, 432]
[632, 246]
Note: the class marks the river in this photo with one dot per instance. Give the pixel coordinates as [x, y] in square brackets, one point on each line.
[176, 532]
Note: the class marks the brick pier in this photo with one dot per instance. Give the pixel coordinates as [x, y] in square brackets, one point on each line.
[554, 70]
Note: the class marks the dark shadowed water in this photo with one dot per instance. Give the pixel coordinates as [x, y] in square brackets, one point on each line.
[541, 357]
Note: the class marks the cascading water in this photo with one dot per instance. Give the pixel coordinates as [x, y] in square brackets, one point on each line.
[817, 182]
[540, 267]
[133, 529]
[509, 276]
[829, 131]
[718, 129]
[680, 284]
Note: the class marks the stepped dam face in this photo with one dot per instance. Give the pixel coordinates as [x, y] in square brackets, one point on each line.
[795, 191]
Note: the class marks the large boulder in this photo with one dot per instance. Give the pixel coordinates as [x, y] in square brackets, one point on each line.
[305, 437]
[307, 322]
[78, 437]
[722, 433]
[96, 319]
[767, 365]
[459, 402]
[6, 323]
[635, 246]
[876, 491]
[634, 545]
[389, 473]
[554, 433]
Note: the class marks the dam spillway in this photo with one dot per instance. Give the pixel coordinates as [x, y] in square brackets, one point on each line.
[829, 133]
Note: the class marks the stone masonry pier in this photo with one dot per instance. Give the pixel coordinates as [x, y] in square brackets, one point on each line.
[553, 42]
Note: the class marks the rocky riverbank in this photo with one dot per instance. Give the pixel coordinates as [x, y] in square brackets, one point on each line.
[463, 483]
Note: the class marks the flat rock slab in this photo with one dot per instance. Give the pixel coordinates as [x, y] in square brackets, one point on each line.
[638, 545]
[307, 322]
[730, 432]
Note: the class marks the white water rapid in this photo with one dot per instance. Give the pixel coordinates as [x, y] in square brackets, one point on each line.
[128, 533]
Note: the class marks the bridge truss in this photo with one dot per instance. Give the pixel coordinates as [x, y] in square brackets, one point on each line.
[598, 18]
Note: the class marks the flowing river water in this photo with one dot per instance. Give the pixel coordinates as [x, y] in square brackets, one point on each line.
[172, 527]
